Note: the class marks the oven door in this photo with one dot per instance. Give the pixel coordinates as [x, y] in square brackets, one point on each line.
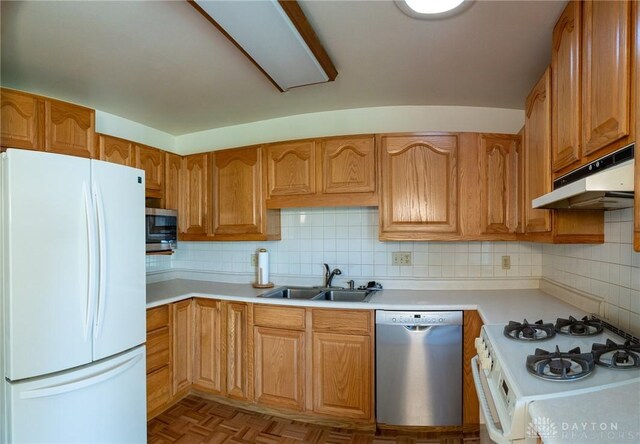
[488, 411]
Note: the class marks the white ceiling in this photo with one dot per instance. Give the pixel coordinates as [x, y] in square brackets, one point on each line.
[160, 63]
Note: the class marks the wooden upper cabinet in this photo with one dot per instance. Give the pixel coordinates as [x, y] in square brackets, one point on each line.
[194, 214]
[521, 179]
[238, 199]
[537, 151]
[606, 73]
[115, 150]
[172, 168]
[348, 165]
[636, 237]
[498, 184]
[151, 160]
[565, 83]
[68, 129]
[419, 186]
[209, 360]
[20, 118]
[291, 168]
[182, 344]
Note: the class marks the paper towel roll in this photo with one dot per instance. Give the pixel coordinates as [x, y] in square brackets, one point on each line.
[263, 267]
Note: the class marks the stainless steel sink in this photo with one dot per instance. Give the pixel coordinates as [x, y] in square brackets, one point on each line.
[293, 293]
[344, 296]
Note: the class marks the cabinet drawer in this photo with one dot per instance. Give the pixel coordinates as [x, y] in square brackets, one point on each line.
[157, 317]
[345, 321]
[158, 388]
[279, 317]
[157, 349]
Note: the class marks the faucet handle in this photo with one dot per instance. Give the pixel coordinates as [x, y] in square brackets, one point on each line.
[352, 284]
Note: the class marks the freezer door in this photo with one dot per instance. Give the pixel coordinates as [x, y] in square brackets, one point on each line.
[118, 193]
[101, 403]
[46, 219]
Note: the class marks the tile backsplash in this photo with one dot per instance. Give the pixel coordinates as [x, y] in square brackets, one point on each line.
[610, 270]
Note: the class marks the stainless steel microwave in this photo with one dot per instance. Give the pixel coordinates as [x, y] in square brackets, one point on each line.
[161, 229]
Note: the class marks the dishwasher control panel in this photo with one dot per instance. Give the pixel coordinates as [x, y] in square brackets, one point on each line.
[418, 317]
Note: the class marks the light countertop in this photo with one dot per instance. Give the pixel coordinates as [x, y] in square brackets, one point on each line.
[494, 306]
[609, 415]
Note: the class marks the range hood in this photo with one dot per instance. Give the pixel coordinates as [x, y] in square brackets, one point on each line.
[604, 184]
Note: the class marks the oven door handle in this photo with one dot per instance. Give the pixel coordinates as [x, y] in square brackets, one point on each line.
[486, 404]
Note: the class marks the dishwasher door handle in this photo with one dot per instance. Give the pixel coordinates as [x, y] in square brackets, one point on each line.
[418, 328]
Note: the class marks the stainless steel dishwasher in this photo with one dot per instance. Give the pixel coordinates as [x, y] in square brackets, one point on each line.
[419, 368]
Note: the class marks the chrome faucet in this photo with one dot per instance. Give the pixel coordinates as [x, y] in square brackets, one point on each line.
[329, 275]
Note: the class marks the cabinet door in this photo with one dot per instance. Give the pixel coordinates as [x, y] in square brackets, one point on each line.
[158, 390]
[565, 83]
[342, 375]
[238, 203]
[151, 160]
[20, 117]
[69, 129]
[498, 184]
[172, 166]
[536, 155]
[636, 237]
[238, 375]
[348, 165]
[419, 185]
[471, 330]
[606, 73]
[182, 356]
[279, 367]
[208, 372]
[115, 150]
[195, 194]
[291, 169]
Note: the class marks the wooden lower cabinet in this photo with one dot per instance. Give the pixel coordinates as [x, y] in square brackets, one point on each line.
[208, 363]
[158, 360]
[238, 346]
[342, 375]
[182, 354]
[470, 330]
[158, 391]
[279, 367]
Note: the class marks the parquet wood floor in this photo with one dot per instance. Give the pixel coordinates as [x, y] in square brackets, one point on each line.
[197, 420]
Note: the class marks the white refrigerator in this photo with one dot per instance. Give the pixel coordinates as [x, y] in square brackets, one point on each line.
[72, 313]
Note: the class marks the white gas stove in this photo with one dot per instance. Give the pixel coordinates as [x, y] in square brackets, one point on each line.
[506, 387]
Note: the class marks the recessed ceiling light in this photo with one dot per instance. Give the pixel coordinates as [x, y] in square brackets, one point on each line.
[432, 9]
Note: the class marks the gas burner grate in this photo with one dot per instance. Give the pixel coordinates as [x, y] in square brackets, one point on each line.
[617, 356]
[525, 331]
[575, 327]
[558, 366]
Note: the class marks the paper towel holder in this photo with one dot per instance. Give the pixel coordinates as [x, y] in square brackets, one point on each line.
[265, 285]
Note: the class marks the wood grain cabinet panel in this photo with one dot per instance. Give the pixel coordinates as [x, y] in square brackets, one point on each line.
[68, 129]
[182, 353]
[348, 165]
[536, 154]
[636, 33]
[194, 213]
[279, 367]
[565, 84]
[471, 330]
[279, 317]
[115, 150]
[151, 160]
[158, 360]
[498, 184]
[209, 362]
[419, 186]
[20, 120]
[342, 375]
[172, 168]
[238, 349]
[291, 168]
[158, 349]
[158, 391]
[606, 73]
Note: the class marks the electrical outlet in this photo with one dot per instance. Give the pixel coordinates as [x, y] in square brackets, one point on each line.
[254, 260]
[506, 262]
[401, 258]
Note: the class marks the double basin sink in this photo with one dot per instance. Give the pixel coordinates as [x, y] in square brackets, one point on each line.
[320, 294]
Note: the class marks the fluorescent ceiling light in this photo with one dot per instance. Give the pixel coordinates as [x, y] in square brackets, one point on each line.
[432, 9]
[275, 36]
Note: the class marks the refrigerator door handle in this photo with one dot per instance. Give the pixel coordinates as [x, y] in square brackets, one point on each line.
[102, 280]
[107, 374]
[91, 243]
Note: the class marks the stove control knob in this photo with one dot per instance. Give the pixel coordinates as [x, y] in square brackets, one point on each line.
[393, 319]
[486, 363]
